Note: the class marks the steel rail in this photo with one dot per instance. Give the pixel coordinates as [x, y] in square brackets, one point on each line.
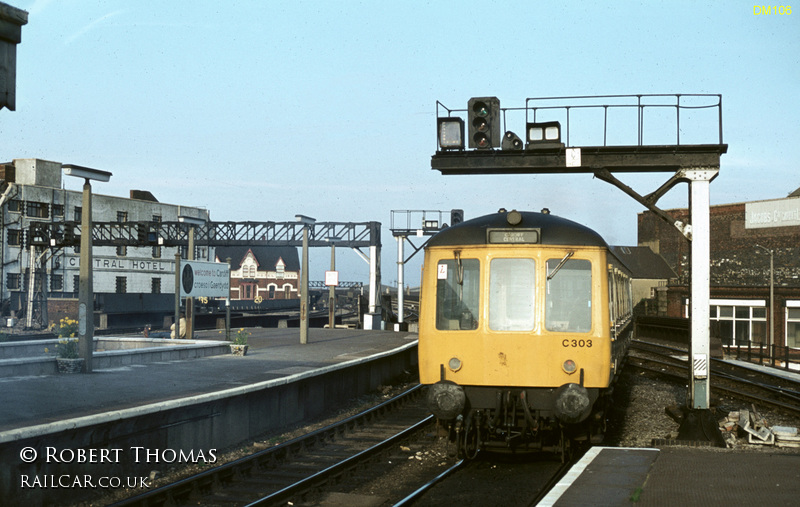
[167, 494]
[325, 475]
[718, 363]
[791, 408]
[413, 497]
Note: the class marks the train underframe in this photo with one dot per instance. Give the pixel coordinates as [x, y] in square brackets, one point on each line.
[518, 420]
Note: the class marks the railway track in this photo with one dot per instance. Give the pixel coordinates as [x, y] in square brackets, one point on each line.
[304, 466]
[727, 378]
[492, 479]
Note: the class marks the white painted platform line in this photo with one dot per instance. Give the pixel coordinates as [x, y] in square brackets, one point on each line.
[570, 477]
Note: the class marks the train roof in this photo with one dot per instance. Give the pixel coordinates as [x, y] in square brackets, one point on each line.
[534, 228]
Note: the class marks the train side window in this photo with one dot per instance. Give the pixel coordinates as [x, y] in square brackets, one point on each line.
[568, 296]
[457, 292]
[512, 292]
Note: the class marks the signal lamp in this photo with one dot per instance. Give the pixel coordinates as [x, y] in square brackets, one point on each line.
[511, 141]
[450, 131]
[514, 217]
[456, 216]
[484, 122]
[544, 135]
[569, 366]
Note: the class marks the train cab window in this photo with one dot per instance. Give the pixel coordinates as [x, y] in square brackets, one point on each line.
[568, 296]
[512, 291]
[457, 291]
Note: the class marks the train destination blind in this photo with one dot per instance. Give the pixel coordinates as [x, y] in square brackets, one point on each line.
[517, 236]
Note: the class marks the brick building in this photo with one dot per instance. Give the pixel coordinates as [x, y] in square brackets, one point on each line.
[262, 272]
[742, 237]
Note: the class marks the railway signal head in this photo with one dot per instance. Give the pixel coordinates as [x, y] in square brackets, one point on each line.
[484, 122]
[450, 132]
[544, 135]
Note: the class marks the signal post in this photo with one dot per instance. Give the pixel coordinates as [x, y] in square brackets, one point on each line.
[546, 150]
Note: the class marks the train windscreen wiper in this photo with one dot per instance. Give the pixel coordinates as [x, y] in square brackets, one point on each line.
[560, 265]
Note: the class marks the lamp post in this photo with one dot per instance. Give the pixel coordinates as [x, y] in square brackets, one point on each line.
[85, 287]
[307, 222]
[771, 301]
[192, 222]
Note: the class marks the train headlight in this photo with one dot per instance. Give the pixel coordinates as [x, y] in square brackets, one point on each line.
[454, 364]
[569, 366]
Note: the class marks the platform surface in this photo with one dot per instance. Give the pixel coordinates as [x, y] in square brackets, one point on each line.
[684, 476]
[273, 353]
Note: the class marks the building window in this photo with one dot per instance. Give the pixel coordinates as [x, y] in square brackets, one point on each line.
[247, 291]
[287, 292]
[13, 281]
[14, 237]
[58, 210]
[37, 209]
[792, 326]
[77, 213]
[76, 283]
[122, 216]
[272, 292]
[121, 284]
[15, 205]
[739, 323]
[56, 282]
[155, 286]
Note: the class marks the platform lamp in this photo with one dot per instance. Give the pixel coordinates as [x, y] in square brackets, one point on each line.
[771, 253]
[307, 222]
[332, 282]
[192, 222]
[85, 287]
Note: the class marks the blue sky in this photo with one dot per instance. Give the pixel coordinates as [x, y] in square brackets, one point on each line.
[260, 110]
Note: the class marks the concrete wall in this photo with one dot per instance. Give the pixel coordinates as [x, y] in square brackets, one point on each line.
[206, 423]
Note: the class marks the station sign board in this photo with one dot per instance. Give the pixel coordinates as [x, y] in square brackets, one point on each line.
[209, 279]
[332, 278]
[775, 213]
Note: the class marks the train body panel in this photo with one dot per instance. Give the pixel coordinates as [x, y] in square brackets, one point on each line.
[517, 356]
[523, 326]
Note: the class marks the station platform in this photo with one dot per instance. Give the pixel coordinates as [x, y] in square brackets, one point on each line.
[273, 354]
[608, 476]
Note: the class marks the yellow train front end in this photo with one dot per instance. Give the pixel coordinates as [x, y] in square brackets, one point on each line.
[517, 331]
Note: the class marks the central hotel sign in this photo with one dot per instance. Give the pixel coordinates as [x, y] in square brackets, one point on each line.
[129, 265]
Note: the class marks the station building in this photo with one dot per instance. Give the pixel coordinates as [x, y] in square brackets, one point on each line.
[262, 272]
[743, 238]
[128, 281]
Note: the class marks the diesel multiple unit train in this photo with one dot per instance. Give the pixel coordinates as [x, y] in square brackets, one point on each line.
[524, 321]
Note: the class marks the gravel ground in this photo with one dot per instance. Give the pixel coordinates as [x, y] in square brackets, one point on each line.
[640, 415]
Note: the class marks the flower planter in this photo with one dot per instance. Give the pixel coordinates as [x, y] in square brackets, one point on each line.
[239, 350]
[69, 365]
